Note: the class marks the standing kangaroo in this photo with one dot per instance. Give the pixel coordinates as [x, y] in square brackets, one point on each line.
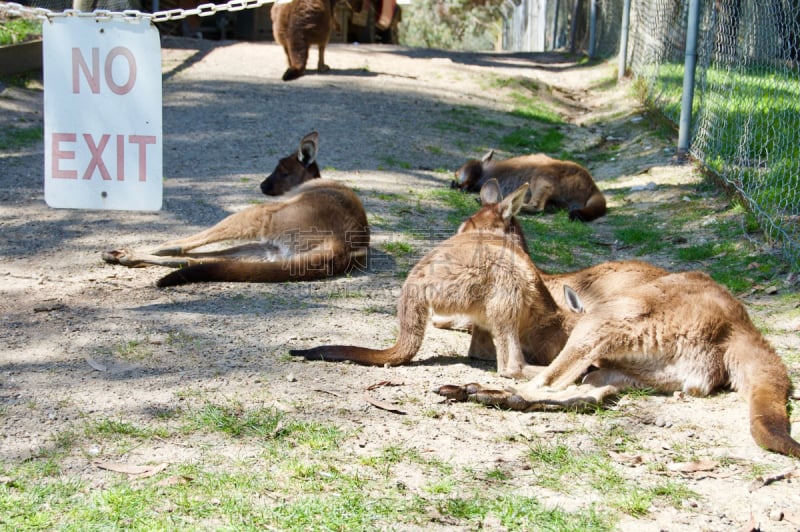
[553, 183]
[317, 230]
[297, 25]
[482, 273]
[676, 332]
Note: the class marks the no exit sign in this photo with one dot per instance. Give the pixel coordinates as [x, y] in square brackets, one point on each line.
[102, 114]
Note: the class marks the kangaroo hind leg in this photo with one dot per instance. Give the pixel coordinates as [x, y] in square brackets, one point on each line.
[244, 225]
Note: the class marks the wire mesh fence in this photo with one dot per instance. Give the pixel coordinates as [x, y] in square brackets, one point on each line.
[746, 112]
[746, 109]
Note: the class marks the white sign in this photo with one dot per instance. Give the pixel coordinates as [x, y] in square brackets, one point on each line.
[102, 114]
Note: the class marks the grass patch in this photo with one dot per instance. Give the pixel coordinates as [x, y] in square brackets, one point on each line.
[15, 138]
[460, 205]
[560, 468]
[556, 242]
[19, 30]
[529, 139]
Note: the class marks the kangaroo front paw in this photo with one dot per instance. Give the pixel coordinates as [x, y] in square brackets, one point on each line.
[123, 257]
[113, 256]
[485, 396]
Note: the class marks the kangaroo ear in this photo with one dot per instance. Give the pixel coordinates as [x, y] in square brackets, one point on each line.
[490, 192]
[573, 300]
[488, 156]
[307, 153]
[512, 203]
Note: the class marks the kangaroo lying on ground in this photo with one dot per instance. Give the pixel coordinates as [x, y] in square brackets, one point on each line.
[676, 332]
[318, 230]
[553, 183]
[299, 24]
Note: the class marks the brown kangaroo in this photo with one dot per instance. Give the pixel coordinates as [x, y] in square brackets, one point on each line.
[299, 24]
[676, 332]
[317, 230]
[482, 273]
[553, 183]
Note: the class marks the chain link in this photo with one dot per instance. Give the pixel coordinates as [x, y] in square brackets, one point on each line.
[133, 15]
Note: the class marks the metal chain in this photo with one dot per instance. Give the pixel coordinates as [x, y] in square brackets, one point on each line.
[203, 10]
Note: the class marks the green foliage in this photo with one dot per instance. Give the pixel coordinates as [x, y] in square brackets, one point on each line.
[18, 30]
[452, 24]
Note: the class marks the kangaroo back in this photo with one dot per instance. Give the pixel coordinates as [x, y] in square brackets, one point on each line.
[295, 169]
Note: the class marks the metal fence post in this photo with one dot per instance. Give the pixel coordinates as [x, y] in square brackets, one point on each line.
[555, 24]
[623, 40]
[684, 131]
[592, 28]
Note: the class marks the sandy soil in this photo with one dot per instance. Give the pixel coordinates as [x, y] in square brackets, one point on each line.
[68, 317]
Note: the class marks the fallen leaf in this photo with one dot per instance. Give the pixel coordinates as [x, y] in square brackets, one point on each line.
[133, 471]
[381, 384]
[152, 472]
[693, 467]
[383, 405]
[96, 365]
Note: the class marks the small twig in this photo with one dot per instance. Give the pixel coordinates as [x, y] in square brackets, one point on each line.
[383, 406]
[761, 482]
[320, 390]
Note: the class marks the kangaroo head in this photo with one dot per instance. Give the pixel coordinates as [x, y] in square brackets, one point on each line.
[295, 169]
[497, 213]
[468, 176]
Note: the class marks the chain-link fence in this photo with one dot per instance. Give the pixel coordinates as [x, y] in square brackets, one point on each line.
[746, 113]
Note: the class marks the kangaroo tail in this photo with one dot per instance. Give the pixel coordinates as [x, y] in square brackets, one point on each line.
[595, 208]
[769, 421]
[309, 267]
[412, 313]
[767, 388]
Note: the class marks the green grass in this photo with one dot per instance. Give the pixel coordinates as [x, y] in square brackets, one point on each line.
[18, 30]
[532, 139]
[398, 249]
[14, 138]
[560, 468]
[299, 480]
[555, 242]
[753, 137]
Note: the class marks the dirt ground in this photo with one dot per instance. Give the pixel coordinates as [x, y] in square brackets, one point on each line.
[67, 316]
